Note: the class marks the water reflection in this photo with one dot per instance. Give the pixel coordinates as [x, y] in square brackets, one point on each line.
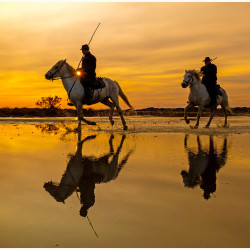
[204, 165]
[47, 128]
[84, 172]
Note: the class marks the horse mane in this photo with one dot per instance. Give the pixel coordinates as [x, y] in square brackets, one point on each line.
[70, 68]
[195, 73]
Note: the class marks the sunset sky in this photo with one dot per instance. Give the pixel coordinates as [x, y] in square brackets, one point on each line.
[146, 47]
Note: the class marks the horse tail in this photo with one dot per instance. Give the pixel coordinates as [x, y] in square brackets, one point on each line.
[123, 96]
[230, 110]
[227, 103]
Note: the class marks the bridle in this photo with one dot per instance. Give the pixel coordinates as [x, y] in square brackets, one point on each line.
[58, 77]
[187, 82]
[62, 77]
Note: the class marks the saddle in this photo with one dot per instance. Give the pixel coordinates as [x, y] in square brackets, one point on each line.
[98, 83]
[217, 89]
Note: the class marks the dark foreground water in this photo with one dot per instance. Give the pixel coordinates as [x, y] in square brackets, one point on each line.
[98, 189]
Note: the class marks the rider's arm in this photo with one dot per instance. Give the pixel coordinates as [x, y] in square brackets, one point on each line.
[202, 70]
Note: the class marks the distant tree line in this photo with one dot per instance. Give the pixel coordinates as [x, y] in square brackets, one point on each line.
[50, 107]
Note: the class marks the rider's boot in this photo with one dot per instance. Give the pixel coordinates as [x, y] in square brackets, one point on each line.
[88, 95]
[213, 102]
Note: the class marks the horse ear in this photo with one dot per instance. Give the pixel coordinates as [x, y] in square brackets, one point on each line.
[185, 71]
[65, 60]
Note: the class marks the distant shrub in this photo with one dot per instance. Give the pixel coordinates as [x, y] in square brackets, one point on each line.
[49, 102]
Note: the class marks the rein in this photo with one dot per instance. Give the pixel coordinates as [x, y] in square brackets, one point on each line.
[59, 77]
[71, 87]
[52, 74]
[62, 77]
[193, 83]
[187, 82]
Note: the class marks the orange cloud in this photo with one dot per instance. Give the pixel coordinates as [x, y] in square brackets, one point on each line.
[146, 47]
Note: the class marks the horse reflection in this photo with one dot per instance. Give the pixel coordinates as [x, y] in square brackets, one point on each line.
[203, 166]
[84, 172]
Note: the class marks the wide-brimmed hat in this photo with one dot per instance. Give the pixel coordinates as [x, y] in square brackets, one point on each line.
[85, 47]
[207, 59]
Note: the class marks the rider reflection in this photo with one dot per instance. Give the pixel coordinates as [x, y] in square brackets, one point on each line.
[84, 172]
[203, 166]
[87, 197]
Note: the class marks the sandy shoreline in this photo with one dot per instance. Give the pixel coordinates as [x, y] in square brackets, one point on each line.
[138, 124]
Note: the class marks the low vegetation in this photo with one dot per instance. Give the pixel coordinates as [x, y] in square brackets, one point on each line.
[162, 112]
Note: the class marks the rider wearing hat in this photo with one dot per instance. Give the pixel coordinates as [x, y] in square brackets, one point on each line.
[88, 68]
[209, 79]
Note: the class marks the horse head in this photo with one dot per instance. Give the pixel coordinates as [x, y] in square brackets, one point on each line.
[54, 190]
[55, 71]
[189, 77]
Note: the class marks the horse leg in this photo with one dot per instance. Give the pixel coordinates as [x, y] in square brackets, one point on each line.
[81, 118]
[79, 115]
[87, 121]
[121, 144]
[212, 109]
[198, 116]
[185, 112]
[199, 143]
[105, 158]
[116, 103]
[111, 148]
[114, 161]
[185, 141]
[225, 112]
[111, 105]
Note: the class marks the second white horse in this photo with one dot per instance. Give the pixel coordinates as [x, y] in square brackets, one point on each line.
[199, 97]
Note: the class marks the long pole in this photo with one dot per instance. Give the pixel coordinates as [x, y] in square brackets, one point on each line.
[92, 226]
[90, 41]
[94, 33]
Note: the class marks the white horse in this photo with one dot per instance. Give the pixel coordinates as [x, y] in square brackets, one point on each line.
[62, 70]
[199, 96]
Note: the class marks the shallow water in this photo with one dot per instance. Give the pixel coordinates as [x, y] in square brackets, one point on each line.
[150, 190]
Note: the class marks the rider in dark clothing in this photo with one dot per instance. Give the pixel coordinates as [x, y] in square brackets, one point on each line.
[215, 162]
[209, 79]
[86, 187]
[89, 75]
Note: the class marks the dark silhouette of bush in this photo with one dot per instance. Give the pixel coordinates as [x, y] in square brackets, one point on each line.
[161, 112]
[49, 102]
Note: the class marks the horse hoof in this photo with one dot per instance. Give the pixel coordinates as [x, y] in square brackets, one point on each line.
[76, 130]
[91, 137]
[125, 128]
[112, 123]
[206, 127]
[193, 127]
[187, 121]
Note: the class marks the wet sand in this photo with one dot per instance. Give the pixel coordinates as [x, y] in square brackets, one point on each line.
[144, 201]
[138, 124]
